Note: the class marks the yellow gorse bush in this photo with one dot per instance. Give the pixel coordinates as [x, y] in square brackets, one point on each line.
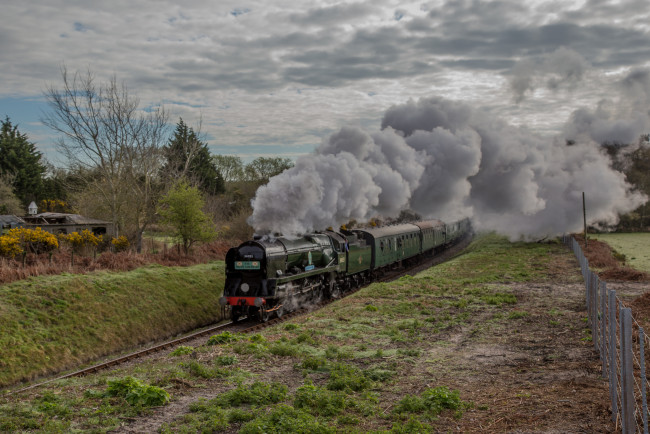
[85, 238]
[34, 240]
[9, 246]
[120, 243]
[53, 205]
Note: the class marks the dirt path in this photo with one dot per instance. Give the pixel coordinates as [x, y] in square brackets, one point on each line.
[539, 374]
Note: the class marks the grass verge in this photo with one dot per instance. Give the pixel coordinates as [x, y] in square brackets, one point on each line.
[51, 323]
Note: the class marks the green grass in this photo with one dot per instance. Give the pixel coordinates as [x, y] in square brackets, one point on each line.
[50, 323]
[635, 247]
[358, 359]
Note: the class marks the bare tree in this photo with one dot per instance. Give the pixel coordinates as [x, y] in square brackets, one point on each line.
[104, 131]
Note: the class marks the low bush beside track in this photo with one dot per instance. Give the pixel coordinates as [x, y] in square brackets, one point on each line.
[51, 323]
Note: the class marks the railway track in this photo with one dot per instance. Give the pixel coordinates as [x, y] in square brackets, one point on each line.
[249, 325]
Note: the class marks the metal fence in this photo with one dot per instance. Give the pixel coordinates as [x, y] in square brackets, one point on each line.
[621, 342]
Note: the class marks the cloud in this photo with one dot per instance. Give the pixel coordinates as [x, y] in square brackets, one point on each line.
[254, 55]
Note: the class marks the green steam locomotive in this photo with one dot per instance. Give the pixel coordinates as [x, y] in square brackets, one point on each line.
[270, 276]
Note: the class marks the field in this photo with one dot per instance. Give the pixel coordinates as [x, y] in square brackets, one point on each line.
[635, 247]
[494, 340]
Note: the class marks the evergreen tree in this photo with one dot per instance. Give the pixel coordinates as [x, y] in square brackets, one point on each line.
[188, 157]
[9, 203]
[20, 160]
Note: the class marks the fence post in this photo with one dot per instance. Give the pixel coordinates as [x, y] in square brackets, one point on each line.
[613, 374]
[627, 371]
[603, 326]
[594, 309]
[644, 399]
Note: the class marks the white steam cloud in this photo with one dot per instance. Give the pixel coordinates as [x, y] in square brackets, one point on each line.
[563, 68]
[446, 160]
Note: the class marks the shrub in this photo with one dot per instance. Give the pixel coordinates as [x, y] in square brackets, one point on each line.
[34, 240]
[10, 246]
[80, 240]
[137, 393]
[120, 243]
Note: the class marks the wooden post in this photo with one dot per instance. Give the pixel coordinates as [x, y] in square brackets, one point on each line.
[584, 217]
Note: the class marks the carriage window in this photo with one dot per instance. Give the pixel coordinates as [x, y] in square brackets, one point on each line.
[381, 246]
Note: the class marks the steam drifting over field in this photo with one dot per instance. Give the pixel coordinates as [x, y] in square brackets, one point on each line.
[447, 160]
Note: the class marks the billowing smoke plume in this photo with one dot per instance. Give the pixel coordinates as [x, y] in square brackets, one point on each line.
[615, 121]
[563, 68]
[446, 160]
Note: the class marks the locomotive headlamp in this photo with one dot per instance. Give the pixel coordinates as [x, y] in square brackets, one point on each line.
[244, 287]
[258, 302]
[223, 301]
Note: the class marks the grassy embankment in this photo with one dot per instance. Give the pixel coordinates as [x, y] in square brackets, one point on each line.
[365, 363]
[635, 247]
[51, 323]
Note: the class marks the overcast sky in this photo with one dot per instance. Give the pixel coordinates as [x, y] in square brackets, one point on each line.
[276, 77]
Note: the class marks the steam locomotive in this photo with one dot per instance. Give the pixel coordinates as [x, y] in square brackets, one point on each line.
[271, 276]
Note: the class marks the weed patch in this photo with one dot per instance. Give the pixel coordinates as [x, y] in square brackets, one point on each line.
[137, 393]
[197, 369]
[348, 378]
[319, 401]
[431, 402]
[181, 351]
[286, 419]
[222, 338]
[257, 393]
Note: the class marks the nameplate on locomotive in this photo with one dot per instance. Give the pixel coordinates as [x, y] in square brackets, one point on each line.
[247, 265]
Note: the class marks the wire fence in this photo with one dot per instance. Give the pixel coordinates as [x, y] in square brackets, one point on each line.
[622, 344]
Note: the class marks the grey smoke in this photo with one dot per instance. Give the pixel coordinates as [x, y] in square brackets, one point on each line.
[563, 68]
[445, 159]
[620, 120]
